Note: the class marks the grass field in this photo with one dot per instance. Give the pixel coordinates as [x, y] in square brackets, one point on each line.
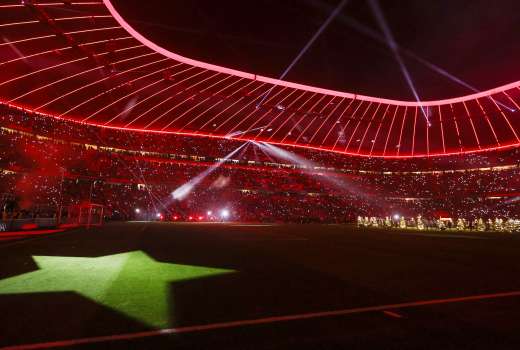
[237, 286]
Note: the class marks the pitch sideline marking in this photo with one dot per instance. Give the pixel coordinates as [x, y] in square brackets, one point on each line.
[258, 321]
[392, 314]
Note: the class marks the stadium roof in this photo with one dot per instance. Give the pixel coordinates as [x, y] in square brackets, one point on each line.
[82, 61]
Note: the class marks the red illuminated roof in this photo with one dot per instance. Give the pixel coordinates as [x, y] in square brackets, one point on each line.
[82, 61]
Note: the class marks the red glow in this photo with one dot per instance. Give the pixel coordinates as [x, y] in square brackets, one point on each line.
[314, 89]
[289, 144]
[290, 116]
[21, 234]
[29, 226]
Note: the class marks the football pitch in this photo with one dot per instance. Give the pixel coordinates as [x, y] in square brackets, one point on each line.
[260, 286]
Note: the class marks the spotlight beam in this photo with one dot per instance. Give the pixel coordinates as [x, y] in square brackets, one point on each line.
[378, 13]
[307, 46]
[369, 32]
[184, 190]
[308, 166]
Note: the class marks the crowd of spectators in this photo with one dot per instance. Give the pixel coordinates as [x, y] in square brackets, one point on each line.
[47, 163]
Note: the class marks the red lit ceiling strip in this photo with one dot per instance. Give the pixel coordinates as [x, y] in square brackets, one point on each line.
[53, 36]
[510, 99]
[357, 125]
[260, 78]
[313, 119]
[247, 105]
[112, 76]
[267, 102]
[427, 125]
[327, 118]
[267, 112]
[225, 109]
[32, 91]
[391, 127]
[54, 51]
[342, 132]
[217, 93]
[456, 127]
[489, 122]
[378, 129]
[442, 130]
[171, 97]
[201, 102]
[117, 87]
[297, 124]
[414, 128]
[135, 92]
[181, 115]
[128, 109]
[62, 4]
[368, 127]
[337, 123]
[472, 124]
[506, 119]
[209, 109]
[13, 24]
[400, 134]
[225, 137]
[289, 106]
[46, 69]
[286, 119]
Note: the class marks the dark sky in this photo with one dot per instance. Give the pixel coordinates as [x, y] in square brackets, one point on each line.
[475, 40]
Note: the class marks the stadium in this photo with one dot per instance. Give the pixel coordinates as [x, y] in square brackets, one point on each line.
[152, 199]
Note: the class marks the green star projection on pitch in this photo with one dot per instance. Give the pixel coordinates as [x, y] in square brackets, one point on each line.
[131, 283]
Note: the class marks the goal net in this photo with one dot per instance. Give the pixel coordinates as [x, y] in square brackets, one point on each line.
[87, 214]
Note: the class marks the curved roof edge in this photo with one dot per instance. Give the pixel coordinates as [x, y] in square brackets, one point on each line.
[243, 139]
[274, 81]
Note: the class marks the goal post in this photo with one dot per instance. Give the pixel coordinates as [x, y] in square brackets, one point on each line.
[87, 214]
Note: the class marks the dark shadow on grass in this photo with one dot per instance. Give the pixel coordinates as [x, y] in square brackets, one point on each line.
[43, 317]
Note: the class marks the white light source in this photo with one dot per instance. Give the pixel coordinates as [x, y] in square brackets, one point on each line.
[184, 190]
[396, 216]
[137, 210]
[224, 213]
[209, 212]
[158, 215]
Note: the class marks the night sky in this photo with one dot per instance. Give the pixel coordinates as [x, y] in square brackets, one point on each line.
[475, 40]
